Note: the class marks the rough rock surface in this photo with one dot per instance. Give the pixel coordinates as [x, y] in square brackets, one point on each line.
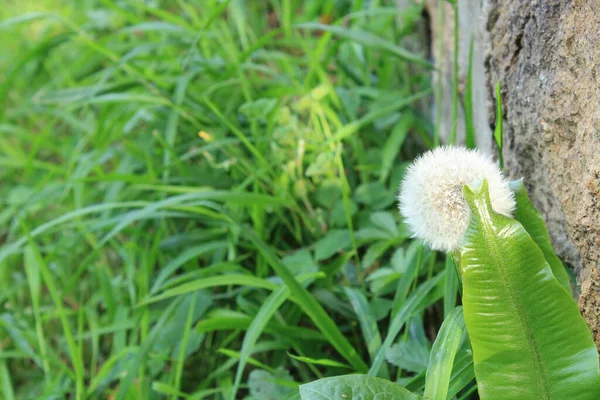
[546, 54]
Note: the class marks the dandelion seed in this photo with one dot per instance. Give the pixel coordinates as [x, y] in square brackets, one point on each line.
[431, 197]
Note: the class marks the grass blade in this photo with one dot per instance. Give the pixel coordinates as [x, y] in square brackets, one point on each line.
[7, 389]
[469, 116]
[222, 280]
[450, 286]
[442, 356]
[309, 305]
[408, 308]
[269, 307]
[366, 318]
[369, 40]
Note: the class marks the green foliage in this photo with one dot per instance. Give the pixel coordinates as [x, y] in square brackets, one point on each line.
[198, 201]
[355, 387]
[198, 198]
[529, 339]
[534, 224]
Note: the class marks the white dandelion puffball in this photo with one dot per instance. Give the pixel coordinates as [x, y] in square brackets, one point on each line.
[431, 195]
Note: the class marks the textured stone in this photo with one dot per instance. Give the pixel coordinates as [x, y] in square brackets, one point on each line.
[546, 55]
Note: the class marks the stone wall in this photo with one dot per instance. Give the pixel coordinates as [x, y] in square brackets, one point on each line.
[546, 55]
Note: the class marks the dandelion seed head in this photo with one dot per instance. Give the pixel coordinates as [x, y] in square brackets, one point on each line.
[431, 194]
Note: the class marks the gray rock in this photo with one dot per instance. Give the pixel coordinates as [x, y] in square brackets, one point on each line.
[546, 55]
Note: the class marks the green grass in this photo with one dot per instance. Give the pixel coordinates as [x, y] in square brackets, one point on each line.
[198, 199]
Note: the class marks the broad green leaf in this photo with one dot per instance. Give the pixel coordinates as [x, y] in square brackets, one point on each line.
[381, 307]
[442, 356]
[374, 194]
[385, 221]
[338, 213]
[410, 356]
[374, 253]
[411, 353]
[528, 337]
[301, 262]
[335, 241]
[266, 386]
[534, 224]
[330, 190]
[355, 387]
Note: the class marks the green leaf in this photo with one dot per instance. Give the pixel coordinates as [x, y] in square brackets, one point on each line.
[410, 356]
[374, 252]
[301, 262]
[528, 337]
[374, 194]
[442, 356]
[266, 386]
[309, 304]
[336, 240]
[330, 190]
[354, 387]
[534, 224]
[338, 216]
[385, 221]
[412, 352]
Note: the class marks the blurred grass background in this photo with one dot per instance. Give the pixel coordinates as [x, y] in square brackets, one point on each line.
[198, 198]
